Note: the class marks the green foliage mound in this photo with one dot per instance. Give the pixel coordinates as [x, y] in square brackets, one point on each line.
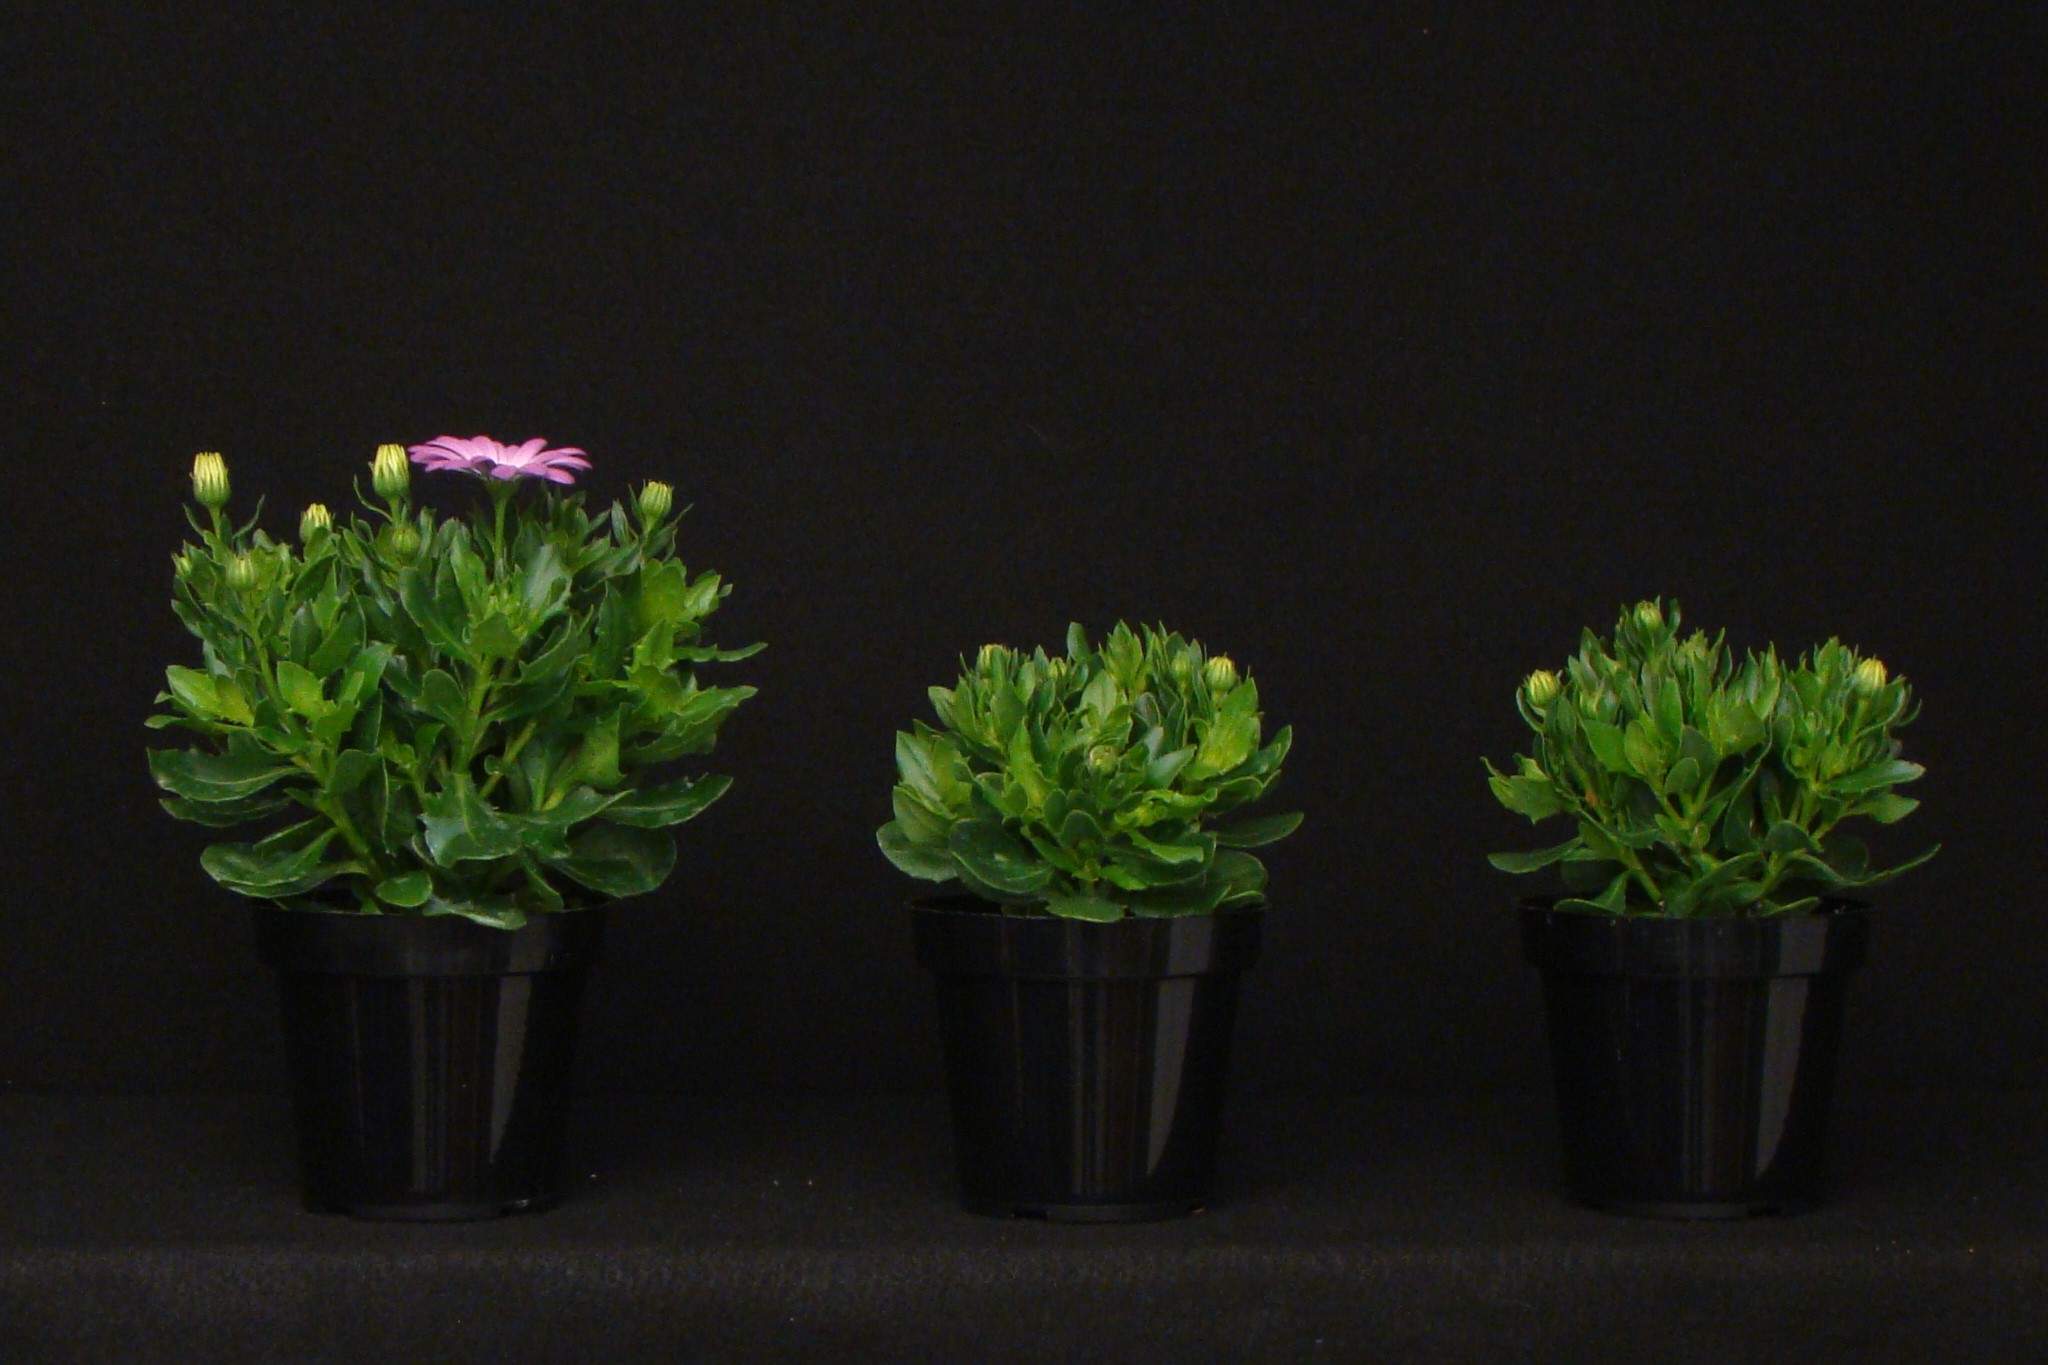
[1091, 786]
[1699, 786]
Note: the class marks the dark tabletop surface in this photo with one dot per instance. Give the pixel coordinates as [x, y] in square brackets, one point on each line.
[1369, 1228]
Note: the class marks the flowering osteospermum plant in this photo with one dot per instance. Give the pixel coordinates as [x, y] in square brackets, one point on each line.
[1700, 786]
[1091, 786]
[474, 715]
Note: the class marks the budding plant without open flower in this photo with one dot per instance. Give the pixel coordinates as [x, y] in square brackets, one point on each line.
[472, 715]
[1091, 785]
[1702, 787]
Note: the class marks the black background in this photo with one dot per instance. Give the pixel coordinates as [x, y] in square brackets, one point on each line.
[1382, 347]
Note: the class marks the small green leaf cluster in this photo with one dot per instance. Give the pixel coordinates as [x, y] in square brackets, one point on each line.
[1091, 785]
[1700, 786]
[473, 715]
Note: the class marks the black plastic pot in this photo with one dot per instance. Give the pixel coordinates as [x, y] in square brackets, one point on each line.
[1085, 1062]
[430, 1057]
[1695, 1058]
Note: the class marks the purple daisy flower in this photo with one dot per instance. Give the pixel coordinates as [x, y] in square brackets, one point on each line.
[482, 455]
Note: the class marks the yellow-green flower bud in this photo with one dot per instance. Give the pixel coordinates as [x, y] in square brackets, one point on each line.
[401, 540]
[1649, 616]
[1182, 667]
[315, 520]
[241, 572]
[655, 500]
[1102, 759]
[1870, 676]
[210, 480]
[391, 473]
[1220, 673]
[1541, 688]
[991, 657]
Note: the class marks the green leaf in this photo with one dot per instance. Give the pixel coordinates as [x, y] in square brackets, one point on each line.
[700, 654]
[997, 858]
[663, 597]
[1888, 773]
[284, 865]
[1683, 777]
[352, 768]
[442, 627]
[1260, 832]
[199, 776]
[1670, 711]
[1607, 744]
[914, 762]
[1531, 861]
[494, 637]
[441, 697]
[1645, 756]
[222, 814]
[214, 698]
[1530, 796]
[460, 827]
[920, 823]
[544, 580]
[618, 861]
[1695, 746]
[1081, 830]
[1888, 807]
[1190, 847]
[406, 891]
[918, 859]
[495, 912]
[1787, 837]
[1095, 909]
[668, 803]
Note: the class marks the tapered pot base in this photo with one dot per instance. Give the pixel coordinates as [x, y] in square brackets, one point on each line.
[434, 1213]
[1695, 1059]
[431, 1059]
[1085, 1062]
[1155, 1211]
[1699, 1211]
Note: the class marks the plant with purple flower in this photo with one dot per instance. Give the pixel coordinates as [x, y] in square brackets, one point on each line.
[476, 715]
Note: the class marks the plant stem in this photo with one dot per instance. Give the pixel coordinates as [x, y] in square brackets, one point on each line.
[501, 497]
[511, 752]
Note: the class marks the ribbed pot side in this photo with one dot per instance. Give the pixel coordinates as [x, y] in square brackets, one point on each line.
[431, 1058]
[1086, 1063]
[1695, 1059]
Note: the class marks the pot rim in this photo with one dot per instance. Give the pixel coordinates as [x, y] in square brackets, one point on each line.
[1586, 943]
[960, 935]
[298, 941]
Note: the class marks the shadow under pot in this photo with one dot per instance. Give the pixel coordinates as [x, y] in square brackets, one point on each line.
[1085, 1062]
[430, 1057]
[1695, 1059]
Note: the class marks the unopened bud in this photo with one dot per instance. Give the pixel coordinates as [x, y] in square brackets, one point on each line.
[1541, 688]
[401, 540]
[1102, 759]
[241, 572]
[990, 658]
[1870, 676]
[1649, 616]
[655, 500]
[210, 480]
[1182, 668]
[315, 520]
[390, 473]
[1220, 673]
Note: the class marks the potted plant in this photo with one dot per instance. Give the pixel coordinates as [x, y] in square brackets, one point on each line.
[1695, 974]
[456, 734]
[1088, 964]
